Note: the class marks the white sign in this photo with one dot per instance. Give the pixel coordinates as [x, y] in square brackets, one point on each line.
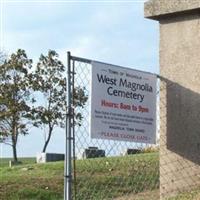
[123, 104]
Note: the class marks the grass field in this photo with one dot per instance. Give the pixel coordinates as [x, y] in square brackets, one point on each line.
[5, 161]
[97, 179]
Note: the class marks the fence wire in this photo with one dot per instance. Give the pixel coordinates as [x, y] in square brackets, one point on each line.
[179, 141]
[117, 174]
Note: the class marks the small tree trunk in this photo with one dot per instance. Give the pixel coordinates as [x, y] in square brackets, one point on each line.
[14, 153]
[48, 139]
[14, 142]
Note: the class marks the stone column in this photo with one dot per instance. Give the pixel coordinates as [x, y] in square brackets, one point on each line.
[179, 22]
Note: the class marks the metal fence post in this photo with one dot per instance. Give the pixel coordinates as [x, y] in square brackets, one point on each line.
[68, 167]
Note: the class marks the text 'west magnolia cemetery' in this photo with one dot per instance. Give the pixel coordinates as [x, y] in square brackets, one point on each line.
[123, 104]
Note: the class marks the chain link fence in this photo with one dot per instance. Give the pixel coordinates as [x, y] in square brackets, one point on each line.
[107, 169]
[179, 142]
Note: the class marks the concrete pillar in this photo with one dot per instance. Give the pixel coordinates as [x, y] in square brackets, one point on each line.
[179, 22]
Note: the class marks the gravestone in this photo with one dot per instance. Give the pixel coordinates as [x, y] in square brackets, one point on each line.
[129, 151]
[91, 152]
[49, 157]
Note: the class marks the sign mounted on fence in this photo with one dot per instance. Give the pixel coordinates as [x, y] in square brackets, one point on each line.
[123, 104]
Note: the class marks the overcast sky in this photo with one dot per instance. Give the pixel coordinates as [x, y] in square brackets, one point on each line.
[110, 31]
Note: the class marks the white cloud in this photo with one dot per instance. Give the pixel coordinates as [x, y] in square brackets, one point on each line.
[84, 46]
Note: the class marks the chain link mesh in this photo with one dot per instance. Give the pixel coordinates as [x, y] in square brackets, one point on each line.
[179, 142]
[117, 175]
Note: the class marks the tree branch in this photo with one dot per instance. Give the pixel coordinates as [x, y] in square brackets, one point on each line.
[6, 143]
